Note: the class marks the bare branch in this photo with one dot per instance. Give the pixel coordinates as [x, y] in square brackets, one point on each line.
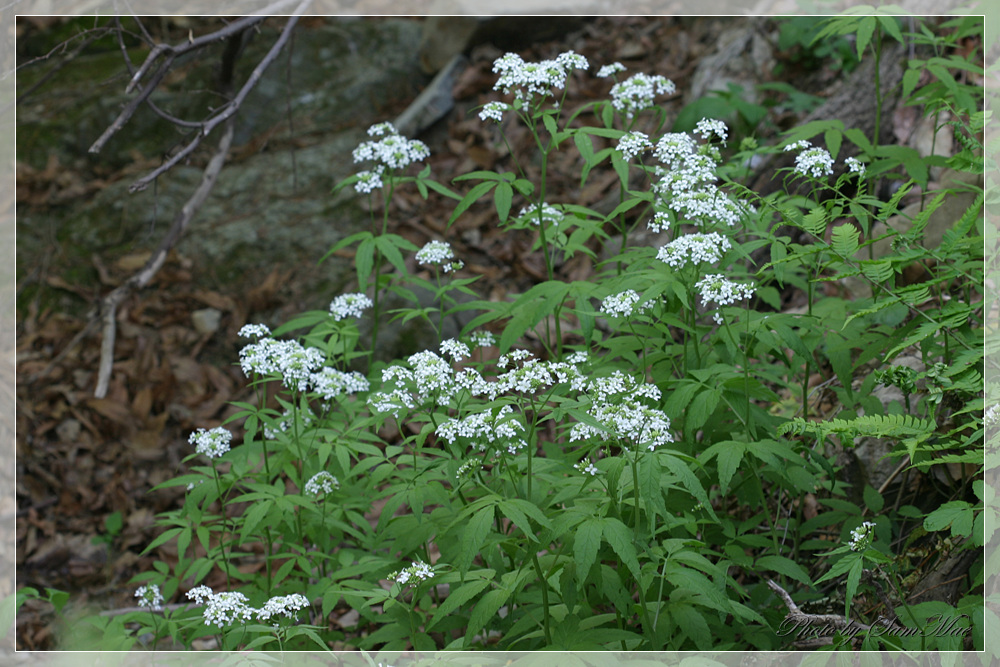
[230, 108]
[109, 308]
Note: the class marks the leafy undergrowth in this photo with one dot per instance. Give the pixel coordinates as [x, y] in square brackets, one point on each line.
[657, 403]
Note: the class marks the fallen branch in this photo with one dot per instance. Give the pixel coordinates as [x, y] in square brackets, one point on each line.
[109, 308]
[796, 618]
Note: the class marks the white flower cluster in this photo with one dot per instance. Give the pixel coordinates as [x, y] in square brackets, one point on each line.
[550, 214]
[534, 375]
[619, 386]
[349, 305]
[226, 608]
[287, 358]
[392, 151]
[637, 92]
[321, 484]
[615, 406]
[435, 252]
[633, 144]
[855, 166]
[418, 570]
[254, 331]
[992, 416]
[486, 429]
[586, 467]
[283, 424]
[330, 383]
[213, 443]
[694, 249]
[623, 304]
[467, 468]
[709, 203]
[456, 349]
[530, 79]
[493, 111]
[483, 339]
[149, 597]
[610, 70]
[706, 127]
[660, 222]
[861, 537]
[369, 180]
[687, 177]
[282, 605]
[811, 161]
[716, 288]
[426, 376]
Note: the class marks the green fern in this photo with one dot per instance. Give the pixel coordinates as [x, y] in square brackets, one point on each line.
[866, 426]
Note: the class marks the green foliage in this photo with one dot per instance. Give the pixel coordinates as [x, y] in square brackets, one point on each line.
[638, 458]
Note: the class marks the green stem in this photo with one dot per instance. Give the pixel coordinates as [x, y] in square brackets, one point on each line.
[545, 599]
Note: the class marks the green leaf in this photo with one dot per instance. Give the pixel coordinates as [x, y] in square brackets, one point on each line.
[618, 535]
[957, 514]
[586, 542]
[474, 536]
[853, 579]
[833, 139]
[364, 260]
[701, 408]
[485, 611]
[845, 240]
[470, 198]
[866, 28]
[457, 597]
[785, 566]
[502, 196]
[728, 459]
[873, 499]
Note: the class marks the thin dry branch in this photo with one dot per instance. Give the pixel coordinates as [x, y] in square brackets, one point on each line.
[230, 108]
[109, 307]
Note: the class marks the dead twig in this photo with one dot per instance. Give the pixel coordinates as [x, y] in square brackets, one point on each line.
[109, 308]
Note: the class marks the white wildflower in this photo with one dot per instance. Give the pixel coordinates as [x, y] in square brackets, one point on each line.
[694, 249]
[349, 305]
[149, 597]
[855, 166]
[550, 214]
[660, 222]
[321, 484]
[610, 70]
[493, 111]
[633, 144]
[527, 80]
[707, 127]
[457, 350]
[254, 331]
[861, 537]
[392, 151]
[586, 467]
[369, 180]
[212, 444]
[435, 252]
[283, 605]
[624, 304]
[418, 570]
[637, 92]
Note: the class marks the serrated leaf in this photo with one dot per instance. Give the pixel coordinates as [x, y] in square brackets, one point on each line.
[456, 598]
[474, 536]
[485, 610]
[619, 537]
[586, 541]
[728, 461]
[957, 514]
